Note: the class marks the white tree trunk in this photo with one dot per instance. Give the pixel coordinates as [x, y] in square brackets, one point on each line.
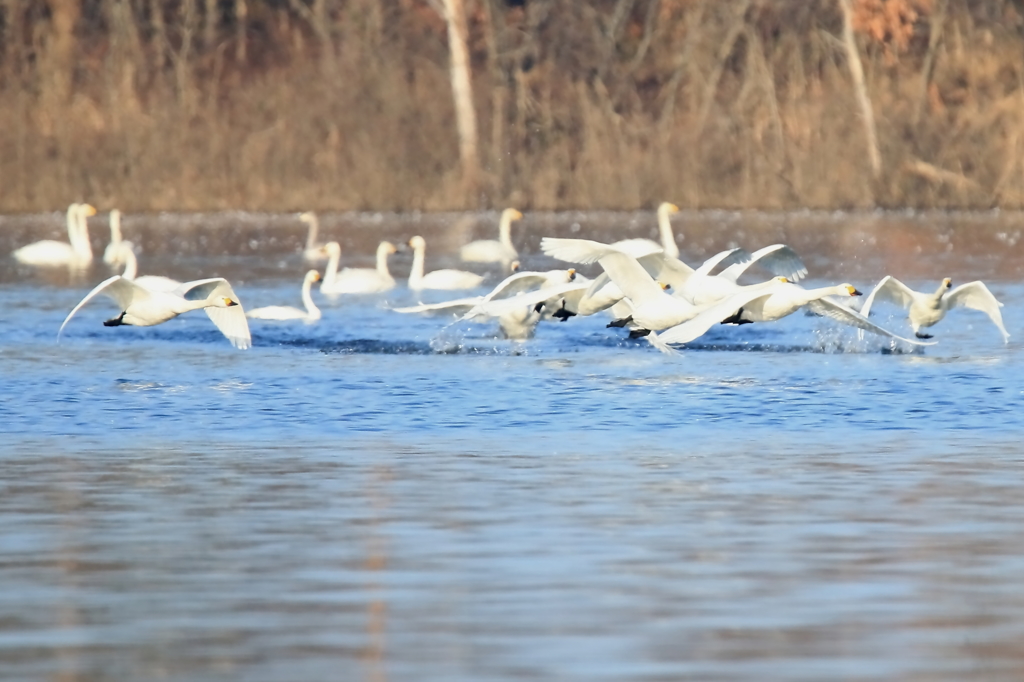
[462, 91]
[857, 72]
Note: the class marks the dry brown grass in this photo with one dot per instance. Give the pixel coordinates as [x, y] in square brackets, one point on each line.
[337, 105]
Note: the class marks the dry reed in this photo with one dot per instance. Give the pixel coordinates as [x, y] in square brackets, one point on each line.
[346, 104]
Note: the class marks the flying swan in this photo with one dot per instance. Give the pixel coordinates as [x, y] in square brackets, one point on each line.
[143, 308]
[286, 312]
[927, 310]
[773, 300]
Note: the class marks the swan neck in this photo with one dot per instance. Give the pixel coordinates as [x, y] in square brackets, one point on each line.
[115, 227]
[505, 231]
[131, 264]
[84, 248]
[185, 305]
[668, 239]
[331, 271]
[416, 274]
[382, 261]
[307, 298]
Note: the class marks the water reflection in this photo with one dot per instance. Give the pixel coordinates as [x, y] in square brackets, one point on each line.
[348, 500]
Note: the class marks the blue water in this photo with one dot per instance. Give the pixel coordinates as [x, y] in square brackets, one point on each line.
[778, 502]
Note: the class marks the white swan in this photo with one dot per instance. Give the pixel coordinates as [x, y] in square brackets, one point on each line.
[652, 307]
[357, 280]
[926, 310]
[74, 253]
[314, 250]
[124, 253]
[774, 300]
[519, 315]
[703, 288]
[285, 312]
[437, 279]
[491, 251]
[143, 308]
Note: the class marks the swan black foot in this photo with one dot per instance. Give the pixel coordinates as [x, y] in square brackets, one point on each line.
[735, 318]
[115, 322]
[563, 314]
[922, 336]
[638, 333]
[539, 307]
[621, 322]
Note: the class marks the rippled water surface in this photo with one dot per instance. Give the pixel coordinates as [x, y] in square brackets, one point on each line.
[378, 496]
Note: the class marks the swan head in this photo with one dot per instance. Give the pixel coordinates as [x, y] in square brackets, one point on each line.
[668, 208]
[307, 217]
[224, 302]
[515, 266]
[850, 290]
[417, 242]
[331, 249]
[781, 280]
[572, 273]
[665, 286]
[88, 210]
[947, 282]
[387, 247]
[511, 214]
[313, 276]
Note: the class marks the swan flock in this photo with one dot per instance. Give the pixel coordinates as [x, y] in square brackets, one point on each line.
[641, 284]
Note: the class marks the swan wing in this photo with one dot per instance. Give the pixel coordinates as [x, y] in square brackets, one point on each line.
[623, 269]
[459, 306]
[122, 291]
[655, 340]
[711, 263]
[500, 307]
[638, 248]
[975, 295]
[230, 321]
[666, 269]
[520, 282]
[778, 259]
[716, 312]
[891, 290]
[826, 307]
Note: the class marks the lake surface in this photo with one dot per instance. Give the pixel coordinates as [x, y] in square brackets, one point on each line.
[384, 497]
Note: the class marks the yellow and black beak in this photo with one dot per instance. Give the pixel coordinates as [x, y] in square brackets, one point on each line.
[572, 274]
[229, 302]
[853, 291]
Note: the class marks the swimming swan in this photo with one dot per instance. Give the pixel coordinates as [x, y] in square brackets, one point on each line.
[143, 308]
[927, 310]
[774, 300]
[437, 279]
[74, 253]
[491, 251]
[314, 250]
[124, 253]
[287, 312]
[357, 280]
